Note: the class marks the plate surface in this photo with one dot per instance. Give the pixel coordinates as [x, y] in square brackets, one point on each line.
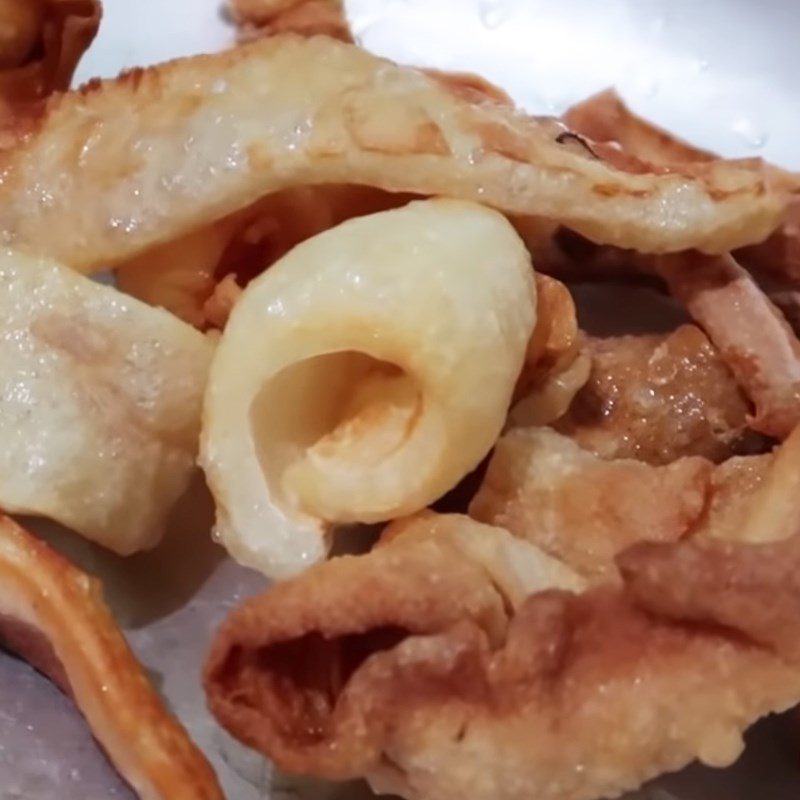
[721, 73]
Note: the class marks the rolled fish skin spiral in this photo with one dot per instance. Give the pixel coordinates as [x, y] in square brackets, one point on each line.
[362, 376]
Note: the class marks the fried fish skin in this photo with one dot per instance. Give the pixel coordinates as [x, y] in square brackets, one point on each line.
[657, 398]
[604, 117]
[582, 509]
[362, 376]
[127, 164]
[101, 403]
[53, 614]
[752, 335]
[41, 43]
[389, 666]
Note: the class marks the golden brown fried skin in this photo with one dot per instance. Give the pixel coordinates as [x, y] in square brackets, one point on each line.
[196, 276]
[582, 509]
[657, 398]
[585, 510]
[125, 165]
[41, 43]
[375, 666]
[604, 117]
[752, 336]
[554, 368]
[53, 614]
[303, 17]
[556, 339]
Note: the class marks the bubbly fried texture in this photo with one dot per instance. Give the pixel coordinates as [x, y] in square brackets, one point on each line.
[128, 164]
[585, 510]
[657, 398]
[363, 376]
[582, 509]
[303, 17]
[402, 666]
[53, 614]
[101, 401]
[752, 336]
[41, 43]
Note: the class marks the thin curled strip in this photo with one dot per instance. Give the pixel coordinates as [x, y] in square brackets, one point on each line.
[362, 376]
[53, 614]
[401, 667]
[127, 164]
[752, 336]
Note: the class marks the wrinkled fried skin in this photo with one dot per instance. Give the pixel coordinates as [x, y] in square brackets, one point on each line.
[752, 336]
[41, 43]
[124, 165]
[582, 509]
[657, 398]
[53, 614]
[403, 684]
[585, 510]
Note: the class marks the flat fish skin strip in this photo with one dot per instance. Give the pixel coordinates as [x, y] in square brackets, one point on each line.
[123, 165]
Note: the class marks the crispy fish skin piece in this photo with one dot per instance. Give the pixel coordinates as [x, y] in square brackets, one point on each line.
[543, 488]
[555, 367]
[101, 404]
[752, 336]
[124, 165]
[183, 275]
[657, 398]
[53, 614]
[428, 572]
[403, 684]
[556, 339]
[604, 117]
[363, 376]
[41, 43]
[584, 510]
[304, 17]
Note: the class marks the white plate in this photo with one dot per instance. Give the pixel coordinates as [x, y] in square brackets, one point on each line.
[721, 73]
